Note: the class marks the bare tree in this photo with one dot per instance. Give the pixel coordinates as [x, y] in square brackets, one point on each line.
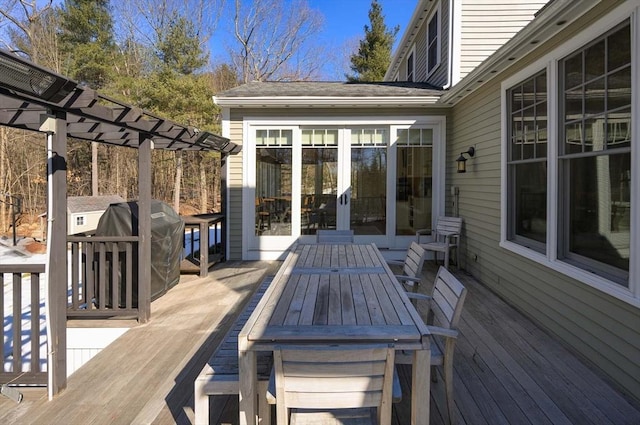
[273, 39]
[146, 20]
[29, 27]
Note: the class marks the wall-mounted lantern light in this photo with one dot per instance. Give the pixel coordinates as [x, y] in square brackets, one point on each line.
[462, 161]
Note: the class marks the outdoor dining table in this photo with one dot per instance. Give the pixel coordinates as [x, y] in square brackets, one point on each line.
[334, 294]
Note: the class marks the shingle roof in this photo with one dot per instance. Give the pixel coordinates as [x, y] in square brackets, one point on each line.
[77, 204]
[331, 89]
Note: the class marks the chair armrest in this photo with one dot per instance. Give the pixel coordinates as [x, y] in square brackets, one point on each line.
[403, 278]
[445, 233]
[448, 333]
[417, 296]
[395, 262]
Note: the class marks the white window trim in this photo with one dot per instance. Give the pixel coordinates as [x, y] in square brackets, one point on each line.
[251, 123]
[631, 294]
[438, 10]
[412, 53]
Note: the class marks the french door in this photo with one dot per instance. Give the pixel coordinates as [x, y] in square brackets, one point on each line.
[374, 180]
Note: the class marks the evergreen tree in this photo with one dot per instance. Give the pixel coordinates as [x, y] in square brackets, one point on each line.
[374, 54]
[179, 47]
[86, 40]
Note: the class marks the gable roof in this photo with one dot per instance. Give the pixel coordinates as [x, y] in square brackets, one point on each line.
[329, 94]
[80, 204]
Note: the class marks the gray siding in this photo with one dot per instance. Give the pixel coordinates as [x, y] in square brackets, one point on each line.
[439, 77]
[488, 24]
[234, 219]
[602, 329]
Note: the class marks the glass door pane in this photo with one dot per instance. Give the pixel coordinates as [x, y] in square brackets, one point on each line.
[368, 194]
[319, 180]
[414, 180]
[273, 182]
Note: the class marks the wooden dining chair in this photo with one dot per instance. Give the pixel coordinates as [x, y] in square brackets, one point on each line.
[334, 236]
[445, 238]
[444, 310]
[411, 266]
[344, 384]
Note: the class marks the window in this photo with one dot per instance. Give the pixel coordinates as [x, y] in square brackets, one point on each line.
[410, 66]
[80, 220]
[273, 182]
[568, 147]
[368, 211]
[527, 162]
[414, 168]
[433, 41]
[594, 153]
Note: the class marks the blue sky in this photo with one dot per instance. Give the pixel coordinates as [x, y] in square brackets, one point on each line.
[345, 19]
[344, 22]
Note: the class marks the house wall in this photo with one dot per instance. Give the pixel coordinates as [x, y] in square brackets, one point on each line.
[488, 24]
[480, 28]
[600, 328]
[91, 219]
[84, 343]
[236, 161]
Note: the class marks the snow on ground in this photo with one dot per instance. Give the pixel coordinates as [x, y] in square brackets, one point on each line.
[8, 255]
[13, 255]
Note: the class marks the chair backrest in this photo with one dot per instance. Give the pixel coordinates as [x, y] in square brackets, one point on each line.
[414, 261]
[448, 226]
[334, 236]
[447, 299]
[334, 377]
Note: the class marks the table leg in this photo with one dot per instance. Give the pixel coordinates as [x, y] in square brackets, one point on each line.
[204, 249]
[248, 383]
[420, 387]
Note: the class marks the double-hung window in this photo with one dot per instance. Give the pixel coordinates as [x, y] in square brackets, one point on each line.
[411, 66]
[594, 150]
[527, 162]
[433, 41]
[568, 144]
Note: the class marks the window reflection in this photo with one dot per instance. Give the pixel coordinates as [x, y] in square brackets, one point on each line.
[273, 182]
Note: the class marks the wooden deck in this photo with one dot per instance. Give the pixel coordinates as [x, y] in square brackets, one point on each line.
[507, 370]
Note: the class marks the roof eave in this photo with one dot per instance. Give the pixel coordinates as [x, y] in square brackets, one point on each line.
[419, 13]
[551, 19]
[323, 101]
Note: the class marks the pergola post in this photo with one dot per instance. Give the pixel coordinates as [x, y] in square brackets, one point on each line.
[224, 193]
[56, 128]
[144, 228]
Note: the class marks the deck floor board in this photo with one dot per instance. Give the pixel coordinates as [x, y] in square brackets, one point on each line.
[506, 369]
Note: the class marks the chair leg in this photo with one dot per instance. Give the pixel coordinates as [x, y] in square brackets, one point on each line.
[446, 259]
[448, 385]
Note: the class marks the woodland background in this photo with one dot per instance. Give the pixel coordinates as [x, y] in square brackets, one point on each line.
[156, 54]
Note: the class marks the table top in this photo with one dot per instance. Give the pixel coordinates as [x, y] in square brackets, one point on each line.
[336, 293]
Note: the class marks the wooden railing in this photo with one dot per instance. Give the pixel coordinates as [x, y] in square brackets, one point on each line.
[103, 276]
[23, 360]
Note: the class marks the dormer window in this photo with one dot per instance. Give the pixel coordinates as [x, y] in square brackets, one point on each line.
[433, 41]
[411, 65]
